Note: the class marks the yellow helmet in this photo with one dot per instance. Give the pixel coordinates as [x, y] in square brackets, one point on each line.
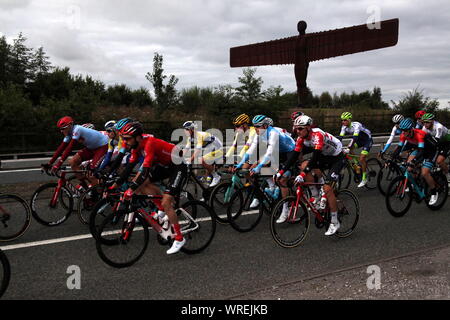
[241, 119]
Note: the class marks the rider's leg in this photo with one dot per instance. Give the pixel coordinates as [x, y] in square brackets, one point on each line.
[75, 164]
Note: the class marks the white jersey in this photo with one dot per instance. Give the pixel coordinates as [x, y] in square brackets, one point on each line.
[355, 129]
[320, 140]
[438, 130]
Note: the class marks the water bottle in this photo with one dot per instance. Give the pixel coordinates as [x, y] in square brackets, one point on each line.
[323, 200]
[276, 193]
[268, 191]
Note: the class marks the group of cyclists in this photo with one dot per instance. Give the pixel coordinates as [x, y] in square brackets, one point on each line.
[258, 144]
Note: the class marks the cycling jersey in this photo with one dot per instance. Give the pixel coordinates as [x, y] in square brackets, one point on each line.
[438, 131]
[247, 137]
[320, 140]
[203, 139]
[271, 137]
[362, 137]
[426, 146]
[91, 139]
[395, 132]
[355, 128]
[154, 151]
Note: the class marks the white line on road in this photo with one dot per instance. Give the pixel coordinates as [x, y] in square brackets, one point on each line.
[45, 242]
[19, 170]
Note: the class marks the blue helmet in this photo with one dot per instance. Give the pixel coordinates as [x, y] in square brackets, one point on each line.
[122, 122]
[259, 120]
[406, 124]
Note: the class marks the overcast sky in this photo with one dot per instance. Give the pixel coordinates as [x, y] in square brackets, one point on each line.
[114, 41]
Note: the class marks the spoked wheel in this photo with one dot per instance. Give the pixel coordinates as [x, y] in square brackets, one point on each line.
[348, 212]
[399, 196]
[219, 200]
[345, 177]
[241, 216]
[198, 225]
[385, 177]
[442, 191]
[87, 202]
[100, 211]
[48, 212]
[373, 168]
[15, 216]
[292, 232]
[5, 273]
[121, 243]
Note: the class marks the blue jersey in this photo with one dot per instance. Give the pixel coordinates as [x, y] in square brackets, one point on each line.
[91, 139]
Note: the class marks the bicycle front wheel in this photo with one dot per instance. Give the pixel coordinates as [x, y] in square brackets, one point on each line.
[121, 243]
[100, 211]
[292, 232]
[15, 217]
[372, 172]
[50, 213]
[442, 190]
[348, 212]
[86, 203]
[345, 177]
[386, 176]
[243, 212]
[399, 196]
[5, 273]
[219, 200]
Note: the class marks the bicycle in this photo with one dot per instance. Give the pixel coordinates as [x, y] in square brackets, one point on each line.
[404, 188]
[239, 213]
[388, 172]
[52, 203]
[5, 273]
[293, 231]
[120, 242]
[15, 216]
[353, 171]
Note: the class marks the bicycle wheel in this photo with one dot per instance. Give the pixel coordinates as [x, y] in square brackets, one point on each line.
[385, 177]
[15, 216]
[198, 225]
[293, 231]
[399, 196]
[86, 203]
[219, 200]
[100, 211]
[5, 273]
[348, 212]
[373, 168]
[125, 243]
[240, 215]
[345, 177]
[442, 188]
[47, 213]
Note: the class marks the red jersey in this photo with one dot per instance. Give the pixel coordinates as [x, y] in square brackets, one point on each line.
[418, 138]
[320, 140]
[155, 151]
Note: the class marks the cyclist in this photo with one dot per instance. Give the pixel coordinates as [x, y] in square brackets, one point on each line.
[426, 151]
[95, 147]
[113, 143]
[274, 139]
[295, 115]
[244, 132]
[362, 138]
[161, 160]
[418, 115]
[203, 140]
[395, 132]
[441, 134]
[326, 154]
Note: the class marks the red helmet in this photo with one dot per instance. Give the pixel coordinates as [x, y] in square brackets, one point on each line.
[295, 115]
[64, 122]
[419, 114]
[133, 129]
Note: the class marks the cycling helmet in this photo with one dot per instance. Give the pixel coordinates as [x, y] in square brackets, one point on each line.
[419, 114]
[88, 125]
[346, 116]
[397, 118]
[295, 115]
[133, 129]
[110, 124]
[122, 122]
[64, 122]
[260, 120]
[303, 121]
[270, 122]
[428, 117]
[241, 119]
[189, 125]
[406, 124]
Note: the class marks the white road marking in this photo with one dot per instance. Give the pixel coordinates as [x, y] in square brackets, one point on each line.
[19, 170]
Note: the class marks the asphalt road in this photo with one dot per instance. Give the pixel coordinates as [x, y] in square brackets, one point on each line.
[234, 263]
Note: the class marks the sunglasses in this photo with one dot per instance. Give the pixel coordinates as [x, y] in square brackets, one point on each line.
[300, 128]
[109, 130]
[127, 138]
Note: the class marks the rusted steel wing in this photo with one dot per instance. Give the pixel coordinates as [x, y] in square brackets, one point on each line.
[319, 45]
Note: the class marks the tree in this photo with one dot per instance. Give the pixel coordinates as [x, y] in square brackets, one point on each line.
[250, 90]
[40, 63]
[414, 101]
[166, 94]
[5, 52]
[20, 62]
[325, 100]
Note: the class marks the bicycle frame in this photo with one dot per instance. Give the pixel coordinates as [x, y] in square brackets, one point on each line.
[410, 177]
[62, 182]
[301, 197]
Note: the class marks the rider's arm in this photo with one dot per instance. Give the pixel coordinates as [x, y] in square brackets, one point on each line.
[357, 129]
[233, 146]
[342, 134]
[292, 156]
[66, 152]
[273, 140]
[58, 151]
[249, 142]
[391, 138]
[400, 146]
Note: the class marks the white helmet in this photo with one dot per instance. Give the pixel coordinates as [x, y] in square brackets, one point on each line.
[88, 125]
[397, 118]
[269, 122]
[189, 125]
[303, 121]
